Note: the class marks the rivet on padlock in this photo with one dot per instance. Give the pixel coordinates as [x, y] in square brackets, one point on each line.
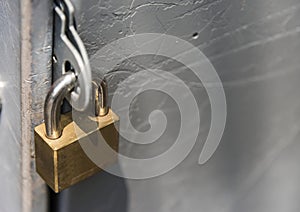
[60, 159]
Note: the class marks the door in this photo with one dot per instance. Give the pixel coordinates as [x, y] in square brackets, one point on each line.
[254, 47]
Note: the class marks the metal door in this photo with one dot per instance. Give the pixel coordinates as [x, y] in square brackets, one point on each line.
[254, 47]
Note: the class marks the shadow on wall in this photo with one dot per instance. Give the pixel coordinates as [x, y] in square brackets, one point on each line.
[89, 195]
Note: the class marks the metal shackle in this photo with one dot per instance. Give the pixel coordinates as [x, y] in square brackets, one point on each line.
[100, 97]
[58, 91]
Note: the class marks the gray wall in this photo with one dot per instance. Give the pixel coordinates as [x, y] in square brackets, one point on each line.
[254, 46]
[10, 123]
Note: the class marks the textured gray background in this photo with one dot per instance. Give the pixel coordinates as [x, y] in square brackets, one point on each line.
[10, 122]
[254, 46]
[25, 49]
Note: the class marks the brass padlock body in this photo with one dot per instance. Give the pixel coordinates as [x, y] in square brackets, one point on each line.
[62, 162]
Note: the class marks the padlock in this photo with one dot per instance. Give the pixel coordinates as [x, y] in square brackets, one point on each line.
[60, 158]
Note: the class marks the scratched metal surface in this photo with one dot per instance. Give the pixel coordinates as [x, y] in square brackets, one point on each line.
[40, 81]
[254, 46]
[10, 123]
[13, 197]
